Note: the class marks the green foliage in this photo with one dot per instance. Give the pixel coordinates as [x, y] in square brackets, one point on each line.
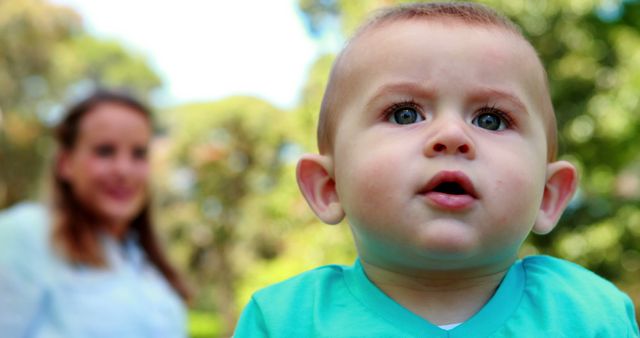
[29, 32]
[239, 221]
[232, 208]
[203, 325]
[84, 58]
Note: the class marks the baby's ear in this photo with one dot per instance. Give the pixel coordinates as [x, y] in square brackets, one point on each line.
[562, 179]
[315, 179]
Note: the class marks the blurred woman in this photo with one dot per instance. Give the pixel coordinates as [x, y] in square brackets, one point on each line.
[91, 266]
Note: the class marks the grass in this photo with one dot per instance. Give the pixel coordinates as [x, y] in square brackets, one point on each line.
[203, 324]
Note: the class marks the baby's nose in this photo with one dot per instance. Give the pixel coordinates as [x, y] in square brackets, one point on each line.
[450, 138]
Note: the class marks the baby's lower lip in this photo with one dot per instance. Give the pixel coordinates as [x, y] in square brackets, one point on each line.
[449, 202]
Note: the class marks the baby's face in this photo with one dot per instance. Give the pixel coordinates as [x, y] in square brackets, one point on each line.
[440, 149]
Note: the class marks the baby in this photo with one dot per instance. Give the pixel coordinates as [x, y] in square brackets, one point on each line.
[437, 142]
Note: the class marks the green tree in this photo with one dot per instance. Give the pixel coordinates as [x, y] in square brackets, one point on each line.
[29, 32]
[223, 202]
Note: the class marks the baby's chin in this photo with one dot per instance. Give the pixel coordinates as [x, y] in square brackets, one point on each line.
[449, 238]
[442, 247]
[451, 246]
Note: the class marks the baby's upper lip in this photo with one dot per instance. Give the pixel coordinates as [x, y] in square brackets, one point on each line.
[458, 178]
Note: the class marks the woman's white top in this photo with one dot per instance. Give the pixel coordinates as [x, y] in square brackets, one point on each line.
[43, 296]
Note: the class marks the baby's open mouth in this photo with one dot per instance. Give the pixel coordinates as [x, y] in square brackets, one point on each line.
[450, 183]
[450, 191]
[452, 188]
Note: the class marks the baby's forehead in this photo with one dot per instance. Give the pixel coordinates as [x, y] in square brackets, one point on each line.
[379, 33]
[484, 48]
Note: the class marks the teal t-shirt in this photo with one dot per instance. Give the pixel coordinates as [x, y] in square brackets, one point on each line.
[540, 296]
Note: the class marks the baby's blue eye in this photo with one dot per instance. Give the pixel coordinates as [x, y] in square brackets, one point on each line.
[405, 115]
[490, 121]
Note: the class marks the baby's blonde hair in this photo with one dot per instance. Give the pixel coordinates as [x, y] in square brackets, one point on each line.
[463, 12]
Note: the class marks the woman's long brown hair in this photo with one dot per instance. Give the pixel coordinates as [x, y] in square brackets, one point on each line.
[75, 227]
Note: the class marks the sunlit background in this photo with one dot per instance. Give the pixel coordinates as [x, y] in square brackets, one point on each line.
[236, 86]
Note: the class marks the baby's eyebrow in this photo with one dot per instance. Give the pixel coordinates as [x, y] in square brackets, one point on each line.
[484, 94]
[412, 88]
[419, 89]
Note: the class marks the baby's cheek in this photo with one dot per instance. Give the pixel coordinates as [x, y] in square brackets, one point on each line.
[369, 185]
[518, 193]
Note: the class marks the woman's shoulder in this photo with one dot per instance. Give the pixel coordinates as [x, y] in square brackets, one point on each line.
[24, 231]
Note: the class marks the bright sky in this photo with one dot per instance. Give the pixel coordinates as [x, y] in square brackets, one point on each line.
[208, 49]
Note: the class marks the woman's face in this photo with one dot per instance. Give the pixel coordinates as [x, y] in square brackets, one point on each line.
[108, 168]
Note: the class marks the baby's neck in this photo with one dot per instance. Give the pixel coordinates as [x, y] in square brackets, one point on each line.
[440, 298]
